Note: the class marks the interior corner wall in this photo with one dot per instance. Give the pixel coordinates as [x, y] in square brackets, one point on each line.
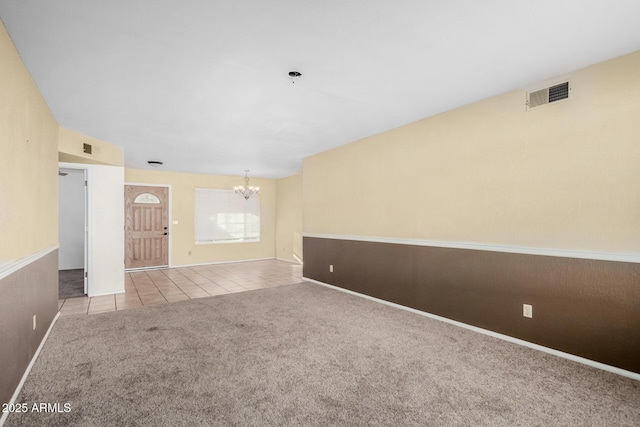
[289, 218]
[28, 217]
[184, 251]
[552, 192]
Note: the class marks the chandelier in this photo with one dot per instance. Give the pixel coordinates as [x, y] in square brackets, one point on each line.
[245, 190]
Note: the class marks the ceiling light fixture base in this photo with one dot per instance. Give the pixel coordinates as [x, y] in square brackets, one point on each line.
[294, 75]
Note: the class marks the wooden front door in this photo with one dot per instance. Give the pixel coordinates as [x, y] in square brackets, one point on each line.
[146, 226]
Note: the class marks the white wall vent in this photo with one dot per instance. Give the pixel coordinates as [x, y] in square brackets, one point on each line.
[548, 95]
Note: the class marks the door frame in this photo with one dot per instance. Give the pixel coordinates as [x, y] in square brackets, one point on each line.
[87, 216]
[170, 222]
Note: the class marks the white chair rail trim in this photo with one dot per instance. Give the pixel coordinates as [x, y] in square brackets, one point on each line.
[11, 267]
[565, 253]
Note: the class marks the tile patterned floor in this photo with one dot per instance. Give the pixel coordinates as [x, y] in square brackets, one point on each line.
[177, 284]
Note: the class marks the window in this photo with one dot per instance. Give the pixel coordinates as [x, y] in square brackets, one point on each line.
[222, 216]
[146, 198]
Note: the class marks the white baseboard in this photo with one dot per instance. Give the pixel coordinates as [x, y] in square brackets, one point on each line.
[16, 393]
[289, 260]
[157, 267]
[133, 270]
[584, 361]
[101, 294]
[221, 262]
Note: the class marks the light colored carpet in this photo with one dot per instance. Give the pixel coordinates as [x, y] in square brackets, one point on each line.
[307, 355]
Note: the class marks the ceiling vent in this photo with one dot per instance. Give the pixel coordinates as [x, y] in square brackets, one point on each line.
[548, 95]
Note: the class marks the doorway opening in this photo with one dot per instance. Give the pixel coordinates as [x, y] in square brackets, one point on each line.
[72, 222]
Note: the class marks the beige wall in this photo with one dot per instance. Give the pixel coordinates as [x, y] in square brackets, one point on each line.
[289, 218]
[183, 187]
[565, 175]
[28, 161]
[70, 148]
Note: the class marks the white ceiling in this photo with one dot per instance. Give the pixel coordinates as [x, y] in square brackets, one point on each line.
[203, 85]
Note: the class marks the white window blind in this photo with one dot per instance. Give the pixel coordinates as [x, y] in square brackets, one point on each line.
[224, 216]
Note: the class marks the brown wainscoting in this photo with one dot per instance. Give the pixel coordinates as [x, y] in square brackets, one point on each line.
[28, 291]
[583, 307]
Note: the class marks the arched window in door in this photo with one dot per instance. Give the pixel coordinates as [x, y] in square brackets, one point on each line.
[146, 198]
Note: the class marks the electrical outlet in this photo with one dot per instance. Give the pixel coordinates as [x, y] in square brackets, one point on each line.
[527, 310]
[330, 268]
[34, 322]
